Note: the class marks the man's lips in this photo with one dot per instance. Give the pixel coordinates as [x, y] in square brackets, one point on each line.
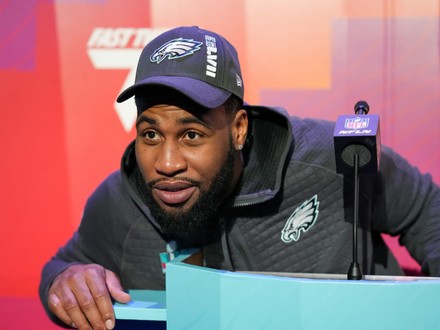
[174, 192]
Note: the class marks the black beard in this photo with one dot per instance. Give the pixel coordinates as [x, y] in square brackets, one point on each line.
[200, 224]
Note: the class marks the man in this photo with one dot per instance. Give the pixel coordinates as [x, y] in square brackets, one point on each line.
[235, 180]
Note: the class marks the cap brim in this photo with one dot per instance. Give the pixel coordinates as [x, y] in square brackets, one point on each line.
[200, 92]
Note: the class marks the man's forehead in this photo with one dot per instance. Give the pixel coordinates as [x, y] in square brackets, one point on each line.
[159, 95]
[178, 110]
[165, 114]
[160, 112]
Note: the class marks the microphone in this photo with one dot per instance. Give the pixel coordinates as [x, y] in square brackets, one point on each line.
[357, 134]
[361, 108]
[357, 149]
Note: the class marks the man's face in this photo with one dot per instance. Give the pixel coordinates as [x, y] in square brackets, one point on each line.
[188, 162]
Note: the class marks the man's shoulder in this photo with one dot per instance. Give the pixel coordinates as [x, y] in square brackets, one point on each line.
[110, 187]
[313, 141]
[306, 128]
[113, 179]
[312, 128]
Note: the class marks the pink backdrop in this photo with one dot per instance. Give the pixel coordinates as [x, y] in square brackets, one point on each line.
[62, 63]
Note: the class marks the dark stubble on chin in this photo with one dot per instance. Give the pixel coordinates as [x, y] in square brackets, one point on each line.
[196, 226]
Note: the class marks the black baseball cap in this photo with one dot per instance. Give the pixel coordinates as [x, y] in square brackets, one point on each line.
[198, 63]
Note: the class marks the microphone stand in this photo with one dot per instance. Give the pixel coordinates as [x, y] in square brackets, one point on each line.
[354, 272]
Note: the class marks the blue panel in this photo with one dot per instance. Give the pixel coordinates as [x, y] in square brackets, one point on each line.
[145, 305]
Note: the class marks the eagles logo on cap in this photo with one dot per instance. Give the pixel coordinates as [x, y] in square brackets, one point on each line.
[174, 49]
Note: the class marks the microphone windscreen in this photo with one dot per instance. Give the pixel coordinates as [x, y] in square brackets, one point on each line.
[361, 108]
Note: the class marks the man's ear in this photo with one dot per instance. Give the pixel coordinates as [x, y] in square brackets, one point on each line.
[240, 128]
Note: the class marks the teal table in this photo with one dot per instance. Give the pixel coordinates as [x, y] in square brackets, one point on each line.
[203, 298]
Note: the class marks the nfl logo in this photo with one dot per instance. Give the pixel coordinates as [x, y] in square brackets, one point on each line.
[356, 123]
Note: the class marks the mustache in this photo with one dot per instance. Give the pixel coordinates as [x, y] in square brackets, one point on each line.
[151, 183]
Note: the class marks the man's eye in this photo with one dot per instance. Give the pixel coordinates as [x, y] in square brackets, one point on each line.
[151, 135]
[192, 135]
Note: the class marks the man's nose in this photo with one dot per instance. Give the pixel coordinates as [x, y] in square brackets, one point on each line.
[170, 159]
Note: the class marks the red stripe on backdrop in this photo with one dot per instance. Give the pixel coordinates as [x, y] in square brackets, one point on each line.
[95, 136]
[59, 131]
[34, 206]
